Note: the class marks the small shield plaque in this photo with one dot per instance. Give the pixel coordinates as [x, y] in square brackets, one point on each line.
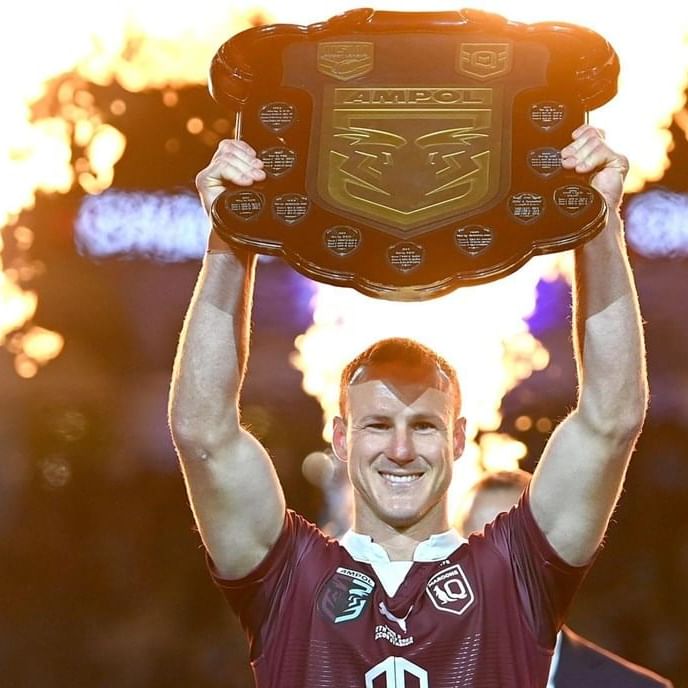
[345, 60]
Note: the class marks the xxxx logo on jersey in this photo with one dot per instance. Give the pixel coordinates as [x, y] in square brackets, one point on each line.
[345, 595]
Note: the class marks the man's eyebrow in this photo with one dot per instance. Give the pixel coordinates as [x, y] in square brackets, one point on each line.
[429, 416]
[426, 414]
[366, 421]
[374, 416]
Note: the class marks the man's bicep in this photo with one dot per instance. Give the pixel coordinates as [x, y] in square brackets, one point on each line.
[238, 503]
[575, 488]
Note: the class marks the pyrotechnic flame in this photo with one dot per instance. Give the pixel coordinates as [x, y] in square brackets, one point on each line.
[31, 346]
[48, 111]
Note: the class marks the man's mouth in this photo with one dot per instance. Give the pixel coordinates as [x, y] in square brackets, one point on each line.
[401, 478]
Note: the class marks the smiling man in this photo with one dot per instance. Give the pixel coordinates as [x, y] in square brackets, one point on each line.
[402, 601]
[402, 430]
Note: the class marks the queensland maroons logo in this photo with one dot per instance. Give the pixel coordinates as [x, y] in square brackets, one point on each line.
[450, 590]
[345, 595]
[484, 60]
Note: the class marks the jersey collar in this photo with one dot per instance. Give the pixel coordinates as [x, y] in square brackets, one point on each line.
[437, 547]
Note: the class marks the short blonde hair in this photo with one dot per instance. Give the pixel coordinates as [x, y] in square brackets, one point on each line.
[406, 352]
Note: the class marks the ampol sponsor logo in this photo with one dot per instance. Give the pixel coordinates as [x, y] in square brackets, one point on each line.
[345, 595]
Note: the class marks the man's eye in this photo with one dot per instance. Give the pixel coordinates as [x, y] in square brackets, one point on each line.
[424, 426]
[377, 426]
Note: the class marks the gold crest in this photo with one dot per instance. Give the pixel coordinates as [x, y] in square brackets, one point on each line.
[410, 157]
[345, 60]
[484, 60]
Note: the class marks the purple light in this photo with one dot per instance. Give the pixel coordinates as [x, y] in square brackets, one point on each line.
[657, 224]
[159, 226]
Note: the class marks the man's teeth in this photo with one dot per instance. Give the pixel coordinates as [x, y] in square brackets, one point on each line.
[400, 478]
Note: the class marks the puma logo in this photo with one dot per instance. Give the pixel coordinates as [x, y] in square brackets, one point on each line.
[401, 622]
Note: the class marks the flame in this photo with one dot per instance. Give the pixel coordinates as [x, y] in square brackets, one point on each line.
[32, 346]
[16, 305]
[48, 112]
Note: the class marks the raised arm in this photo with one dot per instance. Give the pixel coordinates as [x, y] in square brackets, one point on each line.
[579, 477]
[234, 492]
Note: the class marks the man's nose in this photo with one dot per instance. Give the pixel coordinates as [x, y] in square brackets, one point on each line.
[401, 449]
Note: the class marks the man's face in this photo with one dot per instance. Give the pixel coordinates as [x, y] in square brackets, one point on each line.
[400, 438]
[485, 507]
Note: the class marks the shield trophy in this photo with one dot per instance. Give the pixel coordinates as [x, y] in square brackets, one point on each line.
[408, 154]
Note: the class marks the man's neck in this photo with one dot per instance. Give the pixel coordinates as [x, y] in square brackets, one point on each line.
[401, 543]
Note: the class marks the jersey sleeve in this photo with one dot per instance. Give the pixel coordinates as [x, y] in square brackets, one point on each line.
[546, 584]
[263, 591]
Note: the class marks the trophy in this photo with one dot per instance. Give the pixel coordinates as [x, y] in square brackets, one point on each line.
[408, 154]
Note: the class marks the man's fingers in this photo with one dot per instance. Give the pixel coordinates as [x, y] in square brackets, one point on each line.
[239, 155]
[588, 151]
[234, 148]
[589, 154]
[234, 162]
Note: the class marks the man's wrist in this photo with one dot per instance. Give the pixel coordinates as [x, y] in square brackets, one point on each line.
[216, 244]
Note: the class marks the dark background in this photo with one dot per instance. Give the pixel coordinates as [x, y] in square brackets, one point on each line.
[102, 580]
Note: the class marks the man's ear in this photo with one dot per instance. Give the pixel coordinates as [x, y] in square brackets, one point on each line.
[459, 437]
[339, 438]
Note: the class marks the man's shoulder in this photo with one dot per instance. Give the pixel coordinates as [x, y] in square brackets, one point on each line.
[298, 528]
[582, 659]
[299, 541]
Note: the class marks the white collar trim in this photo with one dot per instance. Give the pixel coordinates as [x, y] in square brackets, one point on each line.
[437, 547]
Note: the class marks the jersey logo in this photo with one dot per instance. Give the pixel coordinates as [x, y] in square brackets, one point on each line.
[345, 595]
[450, 590]
[400, 621]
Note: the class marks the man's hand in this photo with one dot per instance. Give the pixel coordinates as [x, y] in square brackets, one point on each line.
[589, 154]
[234, 162]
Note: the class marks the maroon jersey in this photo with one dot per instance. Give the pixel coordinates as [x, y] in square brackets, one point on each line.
[483, 615]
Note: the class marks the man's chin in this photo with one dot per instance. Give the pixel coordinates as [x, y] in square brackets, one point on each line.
[403, 519]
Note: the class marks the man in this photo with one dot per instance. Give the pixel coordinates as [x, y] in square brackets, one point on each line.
[577, 662]
[403, 601]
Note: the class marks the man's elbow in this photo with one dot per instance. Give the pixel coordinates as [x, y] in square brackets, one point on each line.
[633, 411]
[197, 437]
[620, 423]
